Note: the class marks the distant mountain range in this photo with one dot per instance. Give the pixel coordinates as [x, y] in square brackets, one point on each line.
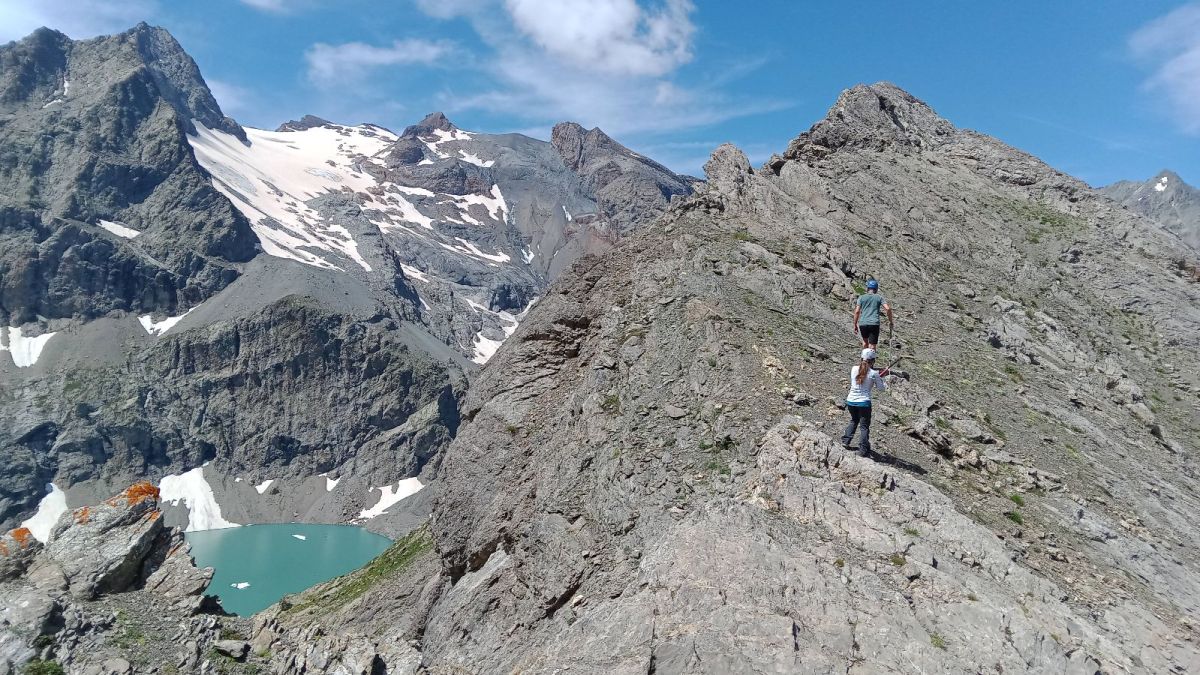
[153, 249]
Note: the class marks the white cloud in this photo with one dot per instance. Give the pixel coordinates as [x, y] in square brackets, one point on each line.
[1171, 44]
[608, 63]
[330, 65]
[77, 18]
[611, 36]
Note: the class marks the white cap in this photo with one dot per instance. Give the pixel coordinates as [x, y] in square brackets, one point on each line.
[868, 354]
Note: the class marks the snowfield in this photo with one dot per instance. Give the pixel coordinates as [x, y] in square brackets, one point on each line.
[390, 495]
[53, 505]
[191, 487]
[271, 179]
[25, 350]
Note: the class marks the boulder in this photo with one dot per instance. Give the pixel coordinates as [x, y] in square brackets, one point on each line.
[101, 548]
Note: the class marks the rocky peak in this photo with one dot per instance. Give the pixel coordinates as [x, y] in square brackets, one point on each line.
[577, 145]
[434, 120]
[1166, 199]
[727, 170]
[306, 122]
[32, 64]
[178, 77]
[873, 116]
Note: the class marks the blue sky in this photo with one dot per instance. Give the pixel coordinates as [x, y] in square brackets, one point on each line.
[1103, 90]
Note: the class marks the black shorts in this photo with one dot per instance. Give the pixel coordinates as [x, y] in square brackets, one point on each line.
[870, 334]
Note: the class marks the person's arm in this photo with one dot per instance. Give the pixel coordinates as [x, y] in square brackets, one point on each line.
[857, 313]
[887, 309]
[877, 375]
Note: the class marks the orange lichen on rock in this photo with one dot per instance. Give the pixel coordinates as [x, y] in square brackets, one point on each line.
[82, 514]
[155, 515]
[21, 535]
[140, 492]
[3, 549]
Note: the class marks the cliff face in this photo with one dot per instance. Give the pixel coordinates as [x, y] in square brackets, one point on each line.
[648, 477]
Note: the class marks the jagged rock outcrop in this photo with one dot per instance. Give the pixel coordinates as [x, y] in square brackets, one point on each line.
[100, 549]
[1166, 199]
[113, 592]
[648, 478]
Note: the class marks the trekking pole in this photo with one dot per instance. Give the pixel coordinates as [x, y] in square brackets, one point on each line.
[893, 363]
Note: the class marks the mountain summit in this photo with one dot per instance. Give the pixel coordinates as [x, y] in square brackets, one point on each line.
[1166, 199]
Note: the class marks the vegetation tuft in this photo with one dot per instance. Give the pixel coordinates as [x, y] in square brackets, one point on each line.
[611, 404]
[40, 667]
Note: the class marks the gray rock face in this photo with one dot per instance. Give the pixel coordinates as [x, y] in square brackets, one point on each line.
[637, 489]
[1166, 199]
[96, 131]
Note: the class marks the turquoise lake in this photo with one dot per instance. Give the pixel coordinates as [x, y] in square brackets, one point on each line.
[256, 565]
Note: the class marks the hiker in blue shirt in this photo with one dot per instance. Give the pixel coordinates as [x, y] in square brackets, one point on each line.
[866, 315]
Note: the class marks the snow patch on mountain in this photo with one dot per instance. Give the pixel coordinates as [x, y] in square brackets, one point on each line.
[118, 229]
[414, 273]
[25, 350]
[53, 505]
[197, 495]
[159, 327]
[1161, 184]
[486, 347]
[390, 495]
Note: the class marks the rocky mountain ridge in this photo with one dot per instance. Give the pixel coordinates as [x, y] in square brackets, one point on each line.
[647, 477]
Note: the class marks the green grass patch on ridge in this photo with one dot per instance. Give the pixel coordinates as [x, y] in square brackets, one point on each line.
[341, 591]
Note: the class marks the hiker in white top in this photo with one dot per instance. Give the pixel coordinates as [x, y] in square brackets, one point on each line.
[864, 379]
